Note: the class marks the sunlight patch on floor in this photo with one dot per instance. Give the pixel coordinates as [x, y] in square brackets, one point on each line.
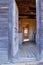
[26, 40]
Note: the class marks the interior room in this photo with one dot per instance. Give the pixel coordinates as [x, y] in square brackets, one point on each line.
[27, 29]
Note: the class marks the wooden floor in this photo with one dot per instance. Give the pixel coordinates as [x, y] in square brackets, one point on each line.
[27, 50]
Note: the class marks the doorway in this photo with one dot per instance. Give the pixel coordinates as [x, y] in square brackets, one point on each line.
[27, 26]
[27, 30]
[26, 33]
[27, 50]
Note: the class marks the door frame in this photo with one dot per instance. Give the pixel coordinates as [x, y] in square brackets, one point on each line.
[38, 28]
[37, 24]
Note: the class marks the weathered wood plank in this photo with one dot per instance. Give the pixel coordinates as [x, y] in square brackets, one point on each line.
[41, 28]
[4, 10]
[3, 1]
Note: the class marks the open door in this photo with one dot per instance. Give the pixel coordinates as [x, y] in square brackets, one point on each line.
[15, 29]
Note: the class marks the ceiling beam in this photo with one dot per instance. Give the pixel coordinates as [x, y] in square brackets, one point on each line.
[27, 15]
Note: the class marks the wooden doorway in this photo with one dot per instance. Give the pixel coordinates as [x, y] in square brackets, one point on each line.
[37, 36]
[26, 33]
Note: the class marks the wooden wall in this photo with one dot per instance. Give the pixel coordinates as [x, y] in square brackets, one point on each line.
[4, 9]
[4, 27]
[41, 27]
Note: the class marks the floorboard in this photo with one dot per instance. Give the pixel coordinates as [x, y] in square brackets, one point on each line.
[27, 50]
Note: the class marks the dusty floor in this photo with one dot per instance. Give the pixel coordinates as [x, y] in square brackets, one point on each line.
[27, 50]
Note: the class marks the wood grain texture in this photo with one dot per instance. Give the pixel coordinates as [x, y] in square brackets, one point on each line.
[41, 29]
[27, 50]
[4, 10]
